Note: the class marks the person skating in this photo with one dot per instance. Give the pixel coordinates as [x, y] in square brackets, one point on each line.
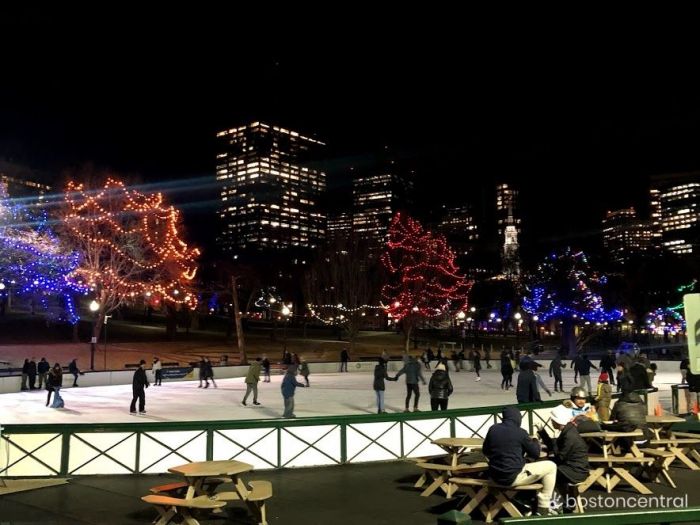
[440, 388]
[251, 381]
[344, 358]
[25, 374]
[32, 373]
[413, 372]
[73, 369]
[208, 373]
[266, 369]
[506, 370]
[380, 375]
[289, 386]
[138, 386]
[304, 370]
[54, 382]
[477, 364]
[526, 390]
[555, 371]
[607, 365]
[157, 372]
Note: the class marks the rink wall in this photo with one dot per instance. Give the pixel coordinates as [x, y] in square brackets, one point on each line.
[123, 377]
[153, 447]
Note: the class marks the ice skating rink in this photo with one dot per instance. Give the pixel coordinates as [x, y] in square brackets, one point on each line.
[329, 394]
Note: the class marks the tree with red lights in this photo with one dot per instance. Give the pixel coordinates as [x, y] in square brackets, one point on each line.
[130, 248]
[423, 280]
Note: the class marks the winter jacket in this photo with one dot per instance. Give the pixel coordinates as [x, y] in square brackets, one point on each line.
[440, 386]
[43, 367]
[253, 375]
[208, 370]
[477, 361]
[526, 390]
[412, 369]
[506, 446]
[506, 365]
[266, 364]
[73, 368]
[289, 385]
[603, 401]
[380, 374]
[32, 368]
[607, 362]
[304, 369]
[54, 379]
[157, 365]
[570, 453]
[630, 413]
[638, 375]
[584, 365]
[140, 380]
[25, 367]
[555, 367]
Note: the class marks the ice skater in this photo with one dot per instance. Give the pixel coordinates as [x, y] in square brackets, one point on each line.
[380, 374]
[477, 364]
[266, 369]
[138, 386]
[54, 382]
[73, 369]
[251, 381]
[289, 386]
[413, 372]
[304, 371]
[157, 372]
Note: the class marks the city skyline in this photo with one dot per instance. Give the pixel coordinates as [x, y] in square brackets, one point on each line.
[574, 147]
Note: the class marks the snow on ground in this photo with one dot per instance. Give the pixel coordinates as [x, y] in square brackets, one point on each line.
[330, 394]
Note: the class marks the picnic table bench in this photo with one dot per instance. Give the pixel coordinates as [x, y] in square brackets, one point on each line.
[500, 496]
[169, 507]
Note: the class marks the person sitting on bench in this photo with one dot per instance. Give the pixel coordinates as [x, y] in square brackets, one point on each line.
[506, 446]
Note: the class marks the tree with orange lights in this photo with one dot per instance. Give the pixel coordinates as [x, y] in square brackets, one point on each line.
[423, 280]
[130, 247]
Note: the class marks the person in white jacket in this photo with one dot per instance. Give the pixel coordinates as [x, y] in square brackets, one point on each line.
[157, 372]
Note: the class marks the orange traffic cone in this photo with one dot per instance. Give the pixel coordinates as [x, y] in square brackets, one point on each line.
[696, 408]
[658, 411]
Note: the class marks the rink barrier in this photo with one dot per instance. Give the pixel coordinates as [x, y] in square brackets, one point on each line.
[153, 447]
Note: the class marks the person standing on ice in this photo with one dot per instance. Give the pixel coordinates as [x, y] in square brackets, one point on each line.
[289, 386]
[413, 372]
[251, 381]
[138, 384]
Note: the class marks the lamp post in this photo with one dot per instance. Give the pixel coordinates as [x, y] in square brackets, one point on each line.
[518, 321]
[94, 308]
[106, 319]
[286, 312]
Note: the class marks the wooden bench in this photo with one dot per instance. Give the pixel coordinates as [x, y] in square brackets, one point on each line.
[441, 472]
[663, 458]
[260, 493]
[681, 445]
[169, 507]
[500, 494]
[613, 471]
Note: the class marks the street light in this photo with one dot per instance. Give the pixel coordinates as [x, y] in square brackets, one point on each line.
[286, 312]
[94, 308]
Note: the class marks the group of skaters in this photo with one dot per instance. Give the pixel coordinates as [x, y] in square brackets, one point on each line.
[41, 375]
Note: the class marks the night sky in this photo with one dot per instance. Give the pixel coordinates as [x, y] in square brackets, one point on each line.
[577, 121]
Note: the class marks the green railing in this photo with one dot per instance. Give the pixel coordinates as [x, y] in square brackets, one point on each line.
[153, 447]
[648, 517]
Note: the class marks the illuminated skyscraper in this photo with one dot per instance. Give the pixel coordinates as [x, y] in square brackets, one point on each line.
[508, 228]
[679, 204]
[625, 236]
[270, 194]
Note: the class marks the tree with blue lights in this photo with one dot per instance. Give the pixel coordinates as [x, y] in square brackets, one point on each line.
[564, 288]
[33, 265]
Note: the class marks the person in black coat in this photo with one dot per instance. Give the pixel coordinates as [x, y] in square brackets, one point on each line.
[440, 388]
[555, 371]
[73, 369]
[506, 446]
[43, 369]
[25, 374]
[138, 386]
[32, 374]
[638, 375]
[477, 364]
[380, 374]
[527, 391]
[506, 371]
[344, 358]
[569, 451]
[266, 369]
[54, 381]
[607, 364]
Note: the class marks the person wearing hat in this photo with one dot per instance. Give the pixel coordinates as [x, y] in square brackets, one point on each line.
[439, 388]
[568, 451]
[603, 399]
[526, 390]
[506, 446]
[582, 411]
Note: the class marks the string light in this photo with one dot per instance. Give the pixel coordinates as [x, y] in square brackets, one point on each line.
[562, 289]
[665, 320]
[131, 244]
[424, 280]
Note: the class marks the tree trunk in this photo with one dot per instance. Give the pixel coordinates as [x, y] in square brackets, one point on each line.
[243, 358]
[568, 338]
[75, 333]
[407, 333]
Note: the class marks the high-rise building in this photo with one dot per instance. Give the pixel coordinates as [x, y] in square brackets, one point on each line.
[460, 229]
[625, 236]
[679, 204]
[339, 225]
[508, 228]
[270, 194]
[655, 219]
[377, 196]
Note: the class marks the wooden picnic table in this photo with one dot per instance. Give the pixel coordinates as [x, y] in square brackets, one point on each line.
[196, 474]
[666, 439]
[613, 464]
[457, 446]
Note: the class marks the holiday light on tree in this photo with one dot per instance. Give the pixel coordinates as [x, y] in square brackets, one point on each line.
[664, 321]
[423, 279]
[564, 288]
[32, 262]
[130, 246]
